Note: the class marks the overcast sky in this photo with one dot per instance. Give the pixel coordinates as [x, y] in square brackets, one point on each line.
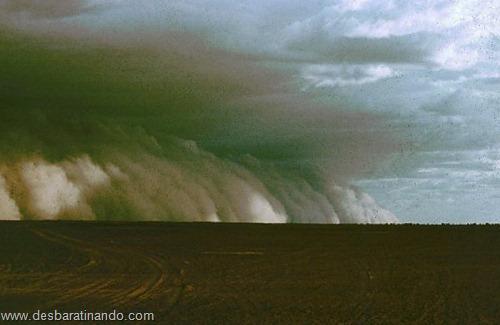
[401, 99]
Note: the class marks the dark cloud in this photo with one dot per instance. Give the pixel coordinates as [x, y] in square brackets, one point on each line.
[86, 128]
[397, 49]
[50, 9]
[181, 87]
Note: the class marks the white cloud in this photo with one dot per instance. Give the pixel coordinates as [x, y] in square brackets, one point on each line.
[358, 207]
[461, 29]
[455, 57]
[457, 35]
[8, 207]
[401, 21]
[345, 75]
[50, 191]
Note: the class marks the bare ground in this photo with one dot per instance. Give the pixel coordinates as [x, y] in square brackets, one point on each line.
[249, 273]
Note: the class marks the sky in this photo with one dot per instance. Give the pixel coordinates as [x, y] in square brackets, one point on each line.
[255, 111]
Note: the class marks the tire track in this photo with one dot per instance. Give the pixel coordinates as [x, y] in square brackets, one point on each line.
[119, 276]
[79, 283]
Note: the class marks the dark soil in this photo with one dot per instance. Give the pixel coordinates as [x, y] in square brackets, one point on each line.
[208, 273]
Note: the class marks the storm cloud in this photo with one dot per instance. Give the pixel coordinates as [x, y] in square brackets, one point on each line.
[260, 108]
[45, 9]
[167, 127]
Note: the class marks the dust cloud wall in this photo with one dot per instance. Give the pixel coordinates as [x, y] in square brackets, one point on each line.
[165, 126]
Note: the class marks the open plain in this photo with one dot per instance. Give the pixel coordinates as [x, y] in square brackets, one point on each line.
[209, 273]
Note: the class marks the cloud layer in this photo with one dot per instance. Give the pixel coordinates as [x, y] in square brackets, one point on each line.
[188, 184]
[48, 9]
[364, 92]
[97, 132]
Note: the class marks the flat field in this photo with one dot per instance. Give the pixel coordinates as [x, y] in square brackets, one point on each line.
[209, 273]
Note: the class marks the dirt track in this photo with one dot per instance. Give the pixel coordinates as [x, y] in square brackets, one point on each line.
[240, 273]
